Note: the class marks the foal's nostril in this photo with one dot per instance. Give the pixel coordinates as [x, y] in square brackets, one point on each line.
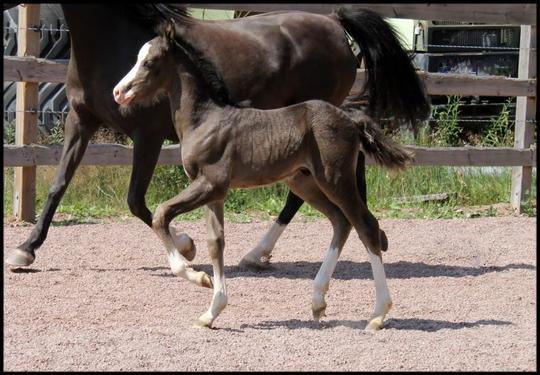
[116, 93]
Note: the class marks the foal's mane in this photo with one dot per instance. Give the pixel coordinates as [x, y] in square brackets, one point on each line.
[197, 64]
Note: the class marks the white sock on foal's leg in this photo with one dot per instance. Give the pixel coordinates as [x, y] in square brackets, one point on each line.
[383, 302]
[219, 302]
[322, 282]
[180, 267]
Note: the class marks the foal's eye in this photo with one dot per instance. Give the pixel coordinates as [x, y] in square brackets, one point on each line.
[148, 64]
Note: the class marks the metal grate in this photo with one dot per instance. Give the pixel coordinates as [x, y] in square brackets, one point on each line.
[54, 44]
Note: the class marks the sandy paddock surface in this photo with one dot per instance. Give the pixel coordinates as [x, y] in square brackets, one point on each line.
[101, 297]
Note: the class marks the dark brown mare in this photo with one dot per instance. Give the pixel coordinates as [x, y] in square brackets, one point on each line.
[272, 60]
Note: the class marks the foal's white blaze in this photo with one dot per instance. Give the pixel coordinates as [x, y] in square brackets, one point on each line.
[118, 91]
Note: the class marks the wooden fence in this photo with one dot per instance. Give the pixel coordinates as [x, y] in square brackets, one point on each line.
[28, 71]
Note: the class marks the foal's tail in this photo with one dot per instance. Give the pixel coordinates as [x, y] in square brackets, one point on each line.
[392, 84]
[382, 149]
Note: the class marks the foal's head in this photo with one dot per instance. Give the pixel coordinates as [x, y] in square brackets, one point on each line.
[159, 61]
[148, 80]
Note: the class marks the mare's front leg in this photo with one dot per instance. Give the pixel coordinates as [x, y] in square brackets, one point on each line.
[200, 192]
[146, 150]
[79, 128]
[216, 244]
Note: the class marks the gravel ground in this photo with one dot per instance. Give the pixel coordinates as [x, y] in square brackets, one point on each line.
[101, 297]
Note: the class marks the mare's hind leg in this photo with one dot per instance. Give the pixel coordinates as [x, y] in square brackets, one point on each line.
[259, 257]
[216, 243]
[345, 195]
[200, 192]
[305, 187]
[79, 128]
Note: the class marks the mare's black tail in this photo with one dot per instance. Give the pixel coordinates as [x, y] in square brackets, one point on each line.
[391, 81]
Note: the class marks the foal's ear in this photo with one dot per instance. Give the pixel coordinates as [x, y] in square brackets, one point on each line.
[169, 32]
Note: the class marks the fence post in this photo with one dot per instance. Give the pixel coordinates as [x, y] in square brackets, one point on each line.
[525, 112]
[24, 206]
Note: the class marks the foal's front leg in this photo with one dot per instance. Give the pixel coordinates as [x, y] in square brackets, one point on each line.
[198, 193]
[216, 243]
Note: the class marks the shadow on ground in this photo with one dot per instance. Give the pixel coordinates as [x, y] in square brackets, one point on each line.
[348, 270]
[345, 270]
[426, 325]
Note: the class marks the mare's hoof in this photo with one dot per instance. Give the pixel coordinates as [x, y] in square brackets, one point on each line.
[255, 264]
[185, 245]
[383, 240]
[19, 258]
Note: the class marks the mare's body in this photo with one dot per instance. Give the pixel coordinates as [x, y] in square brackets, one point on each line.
[272, 60]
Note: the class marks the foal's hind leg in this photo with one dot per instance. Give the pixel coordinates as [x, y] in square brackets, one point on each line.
[306, 188]
[346, 196]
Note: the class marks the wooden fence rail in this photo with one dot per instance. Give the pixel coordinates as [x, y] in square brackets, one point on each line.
[509, 13]
[116, 154]
[31, 69]
[28, 71]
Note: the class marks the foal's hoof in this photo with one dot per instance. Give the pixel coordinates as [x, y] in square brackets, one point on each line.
[185, 245]
[204, 321]
[375, 324]
[383, 240]
[19, 258]
[255, 264]
[200, 324]
[205, 280]
[319, 312]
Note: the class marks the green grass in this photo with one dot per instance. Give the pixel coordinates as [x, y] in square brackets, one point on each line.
[102, 192]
